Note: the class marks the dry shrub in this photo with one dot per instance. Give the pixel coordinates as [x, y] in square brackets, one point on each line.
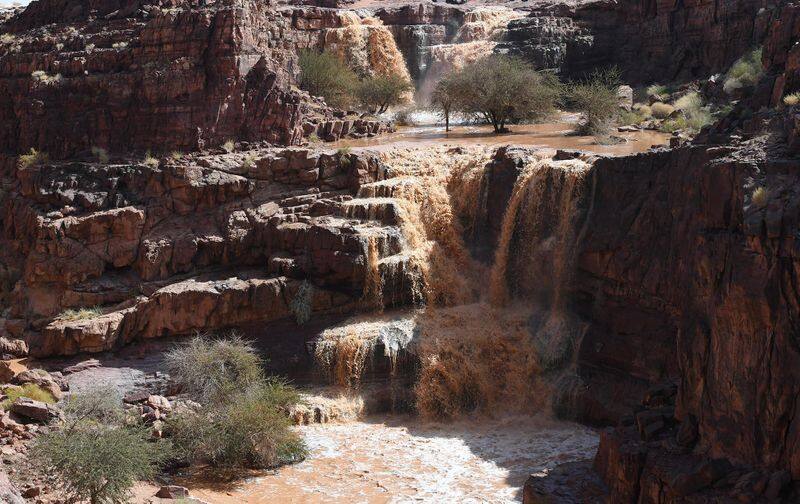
[661, 110]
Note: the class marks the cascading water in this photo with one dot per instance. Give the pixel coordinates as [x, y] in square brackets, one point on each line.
[484, 338]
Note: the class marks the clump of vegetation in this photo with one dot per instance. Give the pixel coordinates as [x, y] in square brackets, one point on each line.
[119, 45]
[745, 72]
[376, 94]
[244, 421]
[443, 99]
[249, 161]
[314, 138]
[45, 78]
[213, 370]
[694, 115]
[596, 98]
[176, 155]
[638, 114]
[71, 315]
[29, 390]
[32, 158]
[791, 100]
[229, 146]
[252, 431]
[302, 303]
[100, 154]
[760, 197]
[661, 110]
[659, 91]
[501, 90]
[95, 457]
[323, 74]
[150, 161]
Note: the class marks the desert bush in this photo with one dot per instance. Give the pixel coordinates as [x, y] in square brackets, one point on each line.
[72, 314]
[791, 99]
[596, 99]
[32, 158]
[214, 370]
[45, 78]
[403, 117]
[251, 431]
[745, 72]
[96, 462]
[661, 110]
[229, 146]
[29, 390]
[100, 154]
[323, 74]
[694, 115]
[376, 94]
[500, 90]
[101, 405]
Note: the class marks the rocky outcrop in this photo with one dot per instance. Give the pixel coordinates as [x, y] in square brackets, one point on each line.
[649, 40]
[158, 76]
[199, 243]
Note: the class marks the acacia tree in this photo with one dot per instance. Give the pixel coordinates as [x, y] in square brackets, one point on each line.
[444, 97]
[500, 89]
[380, 92]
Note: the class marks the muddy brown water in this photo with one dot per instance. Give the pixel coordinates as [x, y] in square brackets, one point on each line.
[555, 135]
[400, 459]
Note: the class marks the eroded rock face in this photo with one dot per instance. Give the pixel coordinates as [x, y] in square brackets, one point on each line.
[137, 76]
[202, 242]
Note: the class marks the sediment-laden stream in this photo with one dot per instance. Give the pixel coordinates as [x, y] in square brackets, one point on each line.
[400, 459]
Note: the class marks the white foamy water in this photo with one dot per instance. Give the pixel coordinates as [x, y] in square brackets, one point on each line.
[402, 460]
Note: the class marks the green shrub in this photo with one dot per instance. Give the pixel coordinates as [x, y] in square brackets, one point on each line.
[249, 161]
[29, 390]
[745, 72]
[98, 463]
[32, 158]
[376, 94]
[214, 370]
[251, 431]
[694, 115]
[80, 314]
[596, 99]
[101, 406]
[323, 74]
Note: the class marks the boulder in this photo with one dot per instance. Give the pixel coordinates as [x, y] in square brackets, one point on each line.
[34, 410]
[172, 492]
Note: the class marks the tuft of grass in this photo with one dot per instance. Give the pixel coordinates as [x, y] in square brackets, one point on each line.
[229, 146]
[7, 38]
[744, 73]
[32, 158]
[689, 101]
[791, 99]
[101, 154]
[80, 314]
[29, 390]
[661, 110]
[313, 138]
[175, 155]
[659, 91]
[249, 161]
[119, 45]
[760, 197]
[150, 161]
[694, 115]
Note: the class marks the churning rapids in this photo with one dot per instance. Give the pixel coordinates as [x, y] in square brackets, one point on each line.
[479, 356]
